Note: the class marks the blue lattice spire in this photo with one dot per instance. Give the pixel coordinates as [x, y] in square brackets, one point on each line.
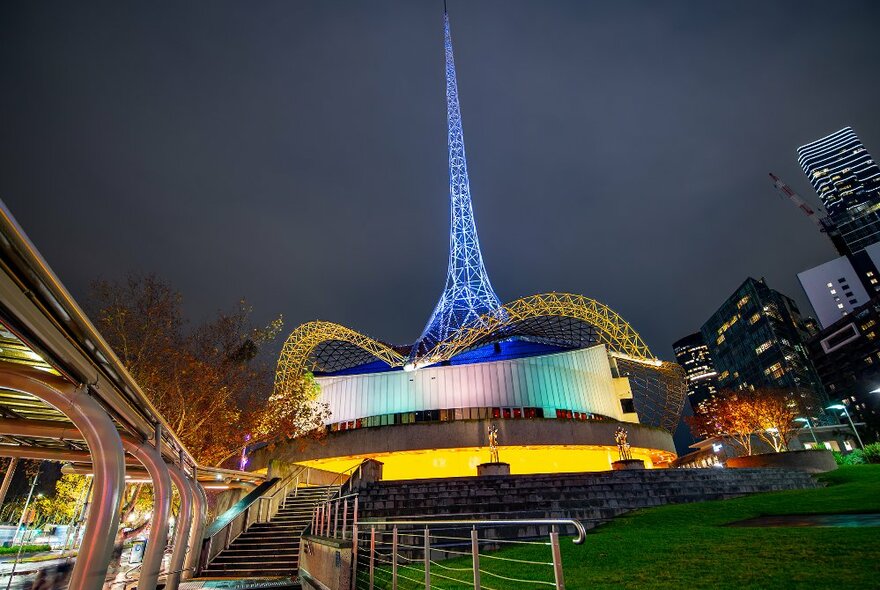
[468, 293]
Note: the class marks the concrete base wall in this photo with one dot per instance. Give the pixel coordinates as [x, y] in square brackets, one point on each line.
[809, 461]
[325, 563]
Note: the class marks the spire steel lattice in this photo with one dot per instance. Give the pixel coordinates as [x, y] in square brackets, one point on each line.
[468, 294]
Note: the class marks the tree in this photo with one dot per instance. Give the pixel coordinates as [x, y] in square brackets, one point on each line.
[775, 411]
[766, 413]
[211, 382]
[725, 415]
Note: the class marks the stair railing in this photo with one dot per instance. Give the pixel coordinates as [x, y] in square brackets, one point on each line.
[336, 494]
[258, 506]
[229, 525]
[269, 504]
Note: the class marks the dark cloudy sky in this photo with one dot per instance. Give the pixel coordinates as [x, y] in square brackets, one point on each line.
[294, 152]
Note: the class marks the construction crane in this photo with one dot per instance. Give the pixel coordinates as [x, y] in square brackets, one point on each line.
[823, 222]
[787, 192]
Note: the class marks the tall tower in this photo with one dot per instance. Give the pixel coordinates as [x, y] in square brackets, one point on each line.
[468, 294]
[842, 171]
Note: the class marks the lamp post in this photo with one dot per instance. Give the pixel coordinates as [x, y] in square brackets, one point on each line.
[848, 417]
[809, 427]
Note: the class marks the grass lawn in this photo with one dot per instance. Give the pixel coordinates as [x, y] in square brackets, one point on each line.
[687, 546]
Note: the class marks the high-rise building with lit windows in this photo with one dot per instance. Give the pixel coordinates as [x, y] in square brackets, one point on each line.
[756, 339]
[841, 170]
[847, 180]
[692, 353]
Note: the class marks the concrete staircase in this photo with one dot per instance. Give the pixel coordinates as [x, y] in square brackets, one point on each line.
[271, 549]
[592, 498]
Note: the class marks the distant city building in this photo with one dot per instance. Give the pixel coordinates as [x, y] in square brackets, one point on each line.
[692, 353]
[846, 355]
[756, 339]
[839, 286]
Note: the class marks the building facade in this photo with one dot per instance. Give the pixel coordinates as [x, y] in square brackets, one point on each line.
[841, 171]
[692, 353]
[843, 284]
[846, 355]
[756, 339]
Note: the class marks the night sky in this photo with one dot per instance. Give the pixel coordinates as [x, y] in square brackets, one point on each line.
[295, 153]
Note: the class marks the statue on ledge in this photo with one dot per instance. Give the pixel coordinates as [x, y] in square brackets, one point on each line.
[622, 445]
[493, 444]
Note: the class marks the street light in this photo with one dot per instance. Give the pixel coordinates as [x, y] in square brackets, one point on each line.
[848, 417]
[809, 427]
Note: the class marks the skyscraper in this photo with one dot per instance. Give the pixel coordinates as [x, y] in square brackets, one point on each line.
[847, 181]
[692, 353]
[841, 170]
[756, 339]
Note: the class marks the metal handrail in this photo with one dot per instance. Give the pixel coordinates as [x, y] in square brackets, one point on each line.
[231, 524]
[282, 488]
[373, 555]
[582, 532]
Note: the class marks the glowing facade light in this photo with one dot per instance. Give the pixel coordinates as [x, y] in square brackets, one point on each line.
[468, 294]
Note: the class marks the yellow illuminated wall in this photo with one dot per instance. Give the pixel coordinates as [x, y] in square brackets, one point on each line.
[463, 462]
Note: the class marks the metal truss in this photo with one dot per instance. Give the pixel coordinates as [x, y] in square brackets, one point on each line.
[561, 319]
[659, 390]
[468, 294]
[557, 318]
[327, 347]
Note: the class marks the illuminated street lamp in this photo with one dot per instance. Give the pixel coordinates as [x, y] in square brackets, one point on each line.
[848, 417]
[809, 426]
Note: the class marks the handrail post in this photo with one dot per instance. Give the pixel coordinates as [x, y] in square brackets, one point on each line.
[329, 513]
[344, 517]
[372, 554]
[475, 550]
[394, 558]
[427, 559]
[355, 517]
[354, 555]
[557, 559]
[335, 518]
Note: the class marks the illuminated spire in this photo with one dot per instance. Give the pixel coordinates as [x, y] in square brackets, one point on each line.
[468, 293]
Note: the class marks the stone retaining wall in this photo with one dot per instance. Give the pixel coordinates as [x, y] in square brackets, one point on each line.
[592, 498]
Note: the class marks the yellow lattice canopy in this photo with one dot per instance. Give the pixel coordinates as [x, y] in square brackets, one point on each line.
[562, 319]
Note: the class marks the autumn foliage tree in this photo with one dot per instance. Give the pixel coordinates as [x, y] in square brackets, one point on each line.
[767, 414]
[211, 381]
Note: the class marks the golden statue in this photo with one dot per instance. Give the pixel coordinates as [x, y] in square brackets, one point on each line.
[620, 436]
[493, 444]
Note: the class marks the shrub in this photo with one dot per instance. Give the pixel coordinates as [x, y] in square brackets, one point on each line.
[24, 549]
[871, 453]
[856, 457]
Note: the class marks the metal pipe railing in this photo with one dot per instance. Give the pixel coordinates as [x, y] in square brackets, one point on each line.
[398, 566]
